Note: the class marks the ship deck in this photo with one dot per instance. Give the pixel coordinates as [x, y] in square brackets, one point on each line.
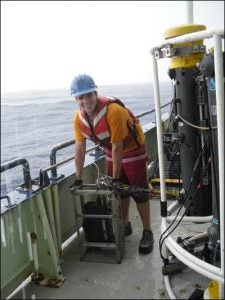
[136, 277]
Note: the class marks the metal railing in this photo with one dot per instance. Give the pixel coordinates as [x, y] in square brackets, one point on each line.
[10, 205]
[26, 170]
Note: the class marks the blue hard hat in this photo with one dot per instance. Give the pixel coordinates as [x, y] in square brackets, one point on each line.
[82, 84]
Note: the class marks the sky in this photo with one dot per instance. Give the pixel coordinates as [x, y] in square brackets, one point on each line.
[44, 44]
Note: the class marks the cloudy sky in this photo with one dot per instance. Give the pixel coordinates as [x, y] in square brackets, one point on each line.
[44, 44]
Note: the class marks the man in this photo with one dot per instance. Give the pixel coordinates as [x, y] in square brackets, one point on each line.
[114, 128]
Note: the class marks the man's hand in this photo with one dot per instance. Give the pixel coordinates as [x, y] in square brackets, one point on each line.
[118, 187]
[116, 182]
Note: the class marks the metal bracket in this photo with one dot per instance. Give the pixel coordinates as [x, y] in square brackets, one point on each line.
[171, 51]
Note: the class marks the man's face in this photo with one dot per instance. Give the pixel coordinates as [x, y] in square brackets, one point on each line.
[87, 102]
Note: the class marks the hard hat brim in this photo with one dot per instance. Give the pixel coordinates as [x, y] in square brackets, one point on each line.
[94, 89]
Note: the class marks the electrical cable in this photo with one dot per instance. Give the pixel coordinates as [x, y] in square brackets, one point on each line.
[160, 243]
[197, 189]
[98, 171]
[172, 108]
[192, 125]
[186, 197]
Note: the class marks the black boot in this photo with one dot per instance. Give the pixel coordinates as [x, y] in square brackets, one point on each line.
[146, 243]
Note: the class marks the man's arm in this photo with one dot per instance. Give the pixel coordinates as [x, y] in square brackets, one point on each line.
[80, 150]
[117, 149]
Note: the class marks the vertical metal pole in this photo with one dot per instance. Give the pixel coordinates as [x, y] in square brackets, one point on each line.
[219, 81]
[189, 12]
[159, 128]
[161, 160]
[159, 143]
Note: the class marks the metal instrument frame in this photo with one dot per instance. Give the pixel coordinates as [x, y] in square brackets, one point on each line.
[116, 218]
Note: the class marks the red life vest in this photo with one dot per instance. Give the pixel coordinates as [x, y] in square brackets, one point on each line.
[99, 132]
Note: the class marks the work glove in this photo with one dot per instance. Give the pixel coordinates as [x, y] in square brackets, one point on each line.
[77, 183]
[117, 186]
[116, 182]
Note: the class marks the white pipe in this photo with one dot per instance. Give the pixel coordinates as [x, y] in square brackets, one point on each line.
[219, 80]
[191, 261]
[198, 236]
[159, 140]
[201, 219]
[189, 10]
[159, 129]
[173, 207]
[188, 261]
[190, 37]
[168, 287]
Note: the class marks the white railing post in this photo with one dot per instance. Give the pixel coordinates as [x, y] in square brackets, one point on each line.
[219, 81]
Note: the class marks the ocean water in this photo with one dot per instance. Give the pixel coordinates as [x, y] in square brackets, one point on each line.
[32, 122]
